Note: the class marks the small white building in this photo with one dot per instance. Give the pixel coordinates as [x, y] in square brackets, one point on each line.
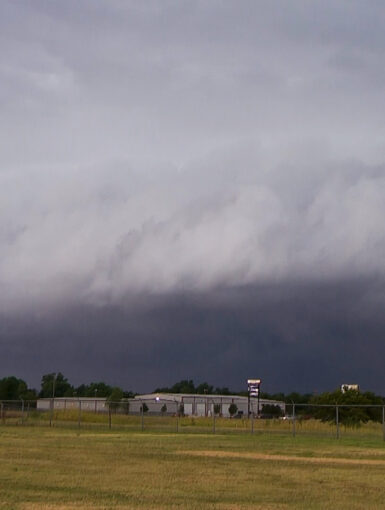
[62, 403]
[350, 387]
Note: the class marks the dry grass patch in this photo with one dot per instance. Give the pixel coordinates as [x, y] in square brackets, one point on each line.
[287, 458]
[57, 469]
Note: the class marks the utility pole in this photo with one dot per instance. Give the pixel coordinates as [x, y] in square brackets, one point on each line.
[53, 385]
[53, 399]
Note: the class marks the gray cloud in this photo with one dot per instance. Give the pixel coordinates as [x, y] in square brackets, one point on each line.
[306, 337]
[189, 230]
[152, 150]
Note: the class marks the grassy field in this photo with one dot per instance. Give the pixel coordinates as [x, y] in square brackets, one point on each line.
[59, 468]
[202, 425]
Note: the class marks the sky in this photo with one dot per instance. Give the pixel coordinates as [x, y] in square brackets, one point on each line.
[193, 190]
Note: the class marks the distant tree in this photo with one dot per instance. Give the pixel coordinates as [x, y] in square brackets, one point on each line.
[273, 396]
[188, 386]
[12, 388]
[162, 390]
[204, 389]
[114, 400]
[348, 416]
[55, 383]
[298, 398]
[163, 409]
[144, 407]
[30, 394]
[184, 386]
[181, 410]
[98, 390]
[271, 410]
[233, 408]
[217, 408]
[81, 391]
[95, 390]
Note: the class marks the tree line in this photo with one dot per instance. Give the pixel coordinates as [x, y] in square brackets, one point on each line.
[348, 402]
[188, 386]
[57, 385]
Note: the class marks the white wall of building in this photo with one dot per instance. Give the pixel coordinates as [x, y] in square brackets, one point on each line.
[194, 405]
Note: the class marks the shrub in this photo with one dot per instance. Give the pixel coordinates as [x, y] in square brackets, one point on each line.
[233, 409]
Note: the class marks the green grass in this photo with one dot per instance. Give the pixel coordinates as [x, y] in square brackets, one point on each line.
[69, 418]
[58, 468]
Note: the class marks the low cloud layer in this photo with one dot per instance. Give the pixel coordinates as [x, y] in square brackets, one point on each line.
[66, 237]
[305, 337]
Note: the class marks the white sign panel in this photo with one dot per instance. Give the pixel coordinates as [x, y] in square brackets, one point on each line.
[253, 387]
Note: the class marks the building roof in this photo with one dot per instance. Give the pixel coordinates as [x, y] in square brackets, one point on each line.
[178, 397]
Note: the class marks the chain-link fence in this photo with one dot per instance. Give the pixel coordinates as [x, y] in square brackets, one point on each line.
[299, 419]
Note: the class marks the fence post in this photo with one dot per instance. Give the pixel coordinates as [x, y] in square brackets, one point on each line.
[79, 413]
[213, 422]
[383, 423]
[337, 423]
[22, 411]
[109, 416]
[177, 417]
[142, 416]
[51, 412]
[293, 421]
[2, 413]
[252, 422]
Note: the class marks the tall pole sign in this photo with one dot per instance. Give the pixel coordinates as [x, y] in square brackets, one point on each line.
[253, 391]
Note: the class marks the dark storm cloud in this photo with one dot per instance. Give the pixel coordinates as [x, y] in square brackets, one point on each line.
[174, 152]
[307, 337]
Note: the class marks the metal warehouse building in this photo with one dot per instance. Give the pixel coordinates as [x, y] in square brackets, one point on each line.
[170, 403]
[203, 405]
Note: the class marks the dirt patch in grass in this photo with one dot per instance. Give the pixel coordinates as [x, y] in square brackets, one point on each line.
[284, 458]
[74, 506]
[222, 506]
